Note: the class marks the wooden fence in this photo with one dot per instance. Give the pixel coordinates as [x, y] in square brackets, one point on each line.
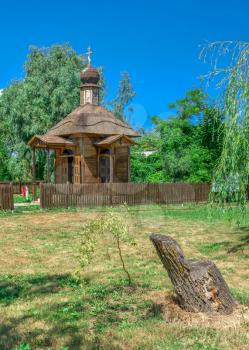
[17, 186]
[6, 197]
[92, 195]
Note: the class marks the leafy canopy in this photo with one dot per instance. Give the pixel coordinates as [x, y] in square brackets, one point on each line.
[230, 70]
[184, 147]
[124, 97]
[49, 91]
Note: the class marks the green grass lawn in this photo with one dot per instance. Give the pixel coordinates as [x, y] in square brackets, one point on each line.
[43, 305]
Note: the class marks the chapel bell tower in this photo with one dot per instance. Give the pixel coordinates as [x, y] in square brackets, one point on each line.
[89, 88]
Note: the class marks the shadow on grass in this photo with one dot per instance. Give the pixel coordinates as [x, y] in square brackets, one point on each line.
[21, 287]
[72, 336]
[77, 323]
[244, 240]
[16, 290]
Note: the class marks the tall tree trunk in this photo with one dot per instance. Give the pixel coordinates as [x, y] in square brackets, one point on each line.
[199, 285]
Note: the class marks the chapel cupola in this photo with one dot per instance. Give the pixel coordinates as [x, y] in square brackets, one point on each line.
[89, 88]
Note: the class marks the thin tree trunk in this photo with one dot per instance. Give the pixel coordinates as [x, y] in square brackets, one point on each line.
[199, 285]
[122, 260]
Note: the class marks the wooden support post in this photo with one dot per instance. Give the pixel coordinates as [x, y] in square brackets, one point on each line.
[48, 165]
[33, 164]
[111, 165]
[41, 195]
[34, 174]
[98, 165]
[34, 191]
[129, 165]
[82, 160]
[55, 166]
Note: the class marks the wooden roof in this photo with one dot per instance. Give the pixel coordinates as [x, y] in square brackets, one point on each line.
[91, 119]
[49, 140]
[111, 139]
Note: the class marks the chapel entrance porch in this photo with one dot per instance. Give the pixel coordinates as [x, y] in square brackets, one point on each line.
[68, 166]
[84, 159]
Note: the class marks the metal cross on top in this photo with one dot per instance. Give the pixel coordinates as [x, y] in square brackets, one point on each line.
[89, 52]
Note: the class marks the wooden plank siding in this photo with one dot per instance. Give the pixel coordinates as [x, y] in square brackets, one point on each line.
[121, 171]
[107, 194]
[90, 160]
[6, 197]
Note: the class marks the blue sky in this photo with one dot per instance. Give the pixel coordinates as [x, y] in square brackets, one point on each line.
[155, 41]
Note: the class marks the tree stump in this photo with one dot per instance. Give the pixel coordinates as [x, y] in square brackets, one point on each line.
[199, 285]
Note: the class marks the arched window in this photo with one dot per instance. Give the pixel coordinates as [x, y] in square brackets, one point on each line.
[105, 151]
[68, 152]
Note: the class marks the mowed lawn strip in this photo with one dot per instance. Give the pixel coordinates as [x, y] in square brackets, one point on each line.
[44, 304]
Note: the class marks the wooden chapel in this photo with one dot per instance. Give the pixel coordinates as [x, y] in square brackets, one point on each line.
[91, 145]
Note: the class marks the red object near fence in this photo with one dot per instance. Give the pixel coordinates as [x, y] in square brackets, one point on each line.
[24, 191]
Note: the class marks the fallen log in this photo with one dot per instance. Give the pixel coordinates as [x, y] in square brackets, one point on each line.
[199, 285]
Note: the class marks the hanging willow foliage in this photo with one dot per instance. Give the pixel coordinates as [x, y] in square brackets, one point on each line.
[230, 72]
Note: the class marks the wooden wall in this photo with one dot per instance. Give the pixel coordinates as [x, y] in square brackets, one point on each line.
[121, 163]
[86, 167]
[90, 160]
[58, 166]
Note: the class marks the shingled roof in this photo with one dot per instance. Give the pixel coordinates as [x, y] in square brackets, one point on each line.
[91, 119]
[111, 139]
[48, 140]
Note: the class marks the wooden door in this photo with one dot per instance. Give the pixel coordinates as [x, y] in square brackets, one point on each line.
[104, 168]
[77, 170]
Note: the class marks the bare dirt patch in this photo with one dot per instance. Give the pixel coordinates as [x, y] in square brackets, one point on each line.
[172, 312]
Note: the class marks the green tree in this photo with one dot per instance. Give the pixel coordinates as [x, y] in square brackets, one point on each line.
[211, 132]
[230, 67]
[124, 97]
[49, 91]
[4, 174]
[190, 151]
[3, 152]
[185, 159]
[192, 105]
[186, 146]
[146, 159]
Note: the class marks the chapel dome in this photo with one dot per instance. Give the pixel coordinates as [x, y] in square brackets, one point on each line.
[89, 75]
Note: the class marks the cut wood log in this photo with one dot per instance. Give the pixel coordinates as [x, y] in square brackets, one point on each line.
[199, 285]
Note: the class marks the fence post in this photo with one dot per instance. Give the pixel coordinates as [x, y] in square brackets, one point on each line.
[11, 196]
[195, 196]
[111, 200]
[41, 195]
[34, 191]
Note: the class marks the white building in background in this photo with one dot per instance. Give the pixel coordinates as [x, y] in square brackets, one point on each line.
[148, 153]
